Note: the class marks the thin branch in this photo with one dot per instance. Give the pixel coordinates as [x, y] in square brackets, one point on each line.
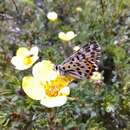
[15, 6]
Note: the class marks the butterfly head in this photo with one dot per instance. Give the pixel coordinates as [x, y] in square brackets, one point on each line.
[60, 69]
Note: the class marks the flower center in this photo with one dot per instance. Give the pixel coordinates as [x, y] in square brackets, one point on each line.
[52, 90]
[28, 60]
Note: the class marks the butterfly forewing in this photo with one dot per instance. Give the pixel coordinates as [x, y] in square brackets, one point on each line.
[83, 62]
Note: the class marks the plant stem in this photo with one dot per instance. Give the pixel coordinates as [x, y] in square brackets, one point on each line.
[67, 49]
[102, 3]
[51, 116]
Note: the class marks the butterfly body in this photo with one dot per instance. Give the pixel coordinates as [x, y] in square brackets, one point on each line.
[83, 62]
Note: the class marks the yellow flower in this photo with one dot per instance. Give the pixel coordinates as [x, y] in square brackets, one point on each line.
[52, 16]
[79, 9]
[96, 76]
[76, 48]
[67, 36]
[47, 85]
[25, 58]
[56, 92]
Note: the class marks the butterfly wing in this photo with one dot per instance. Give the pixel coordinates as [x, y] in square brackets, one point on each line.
[83, 62]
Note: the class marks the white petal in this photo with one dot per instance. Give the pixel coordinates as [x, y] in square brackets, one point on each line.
[76, 48]
[70, 35]
[65, 91]
[34, 59]
[52, 16]
[34, 51]
[44, 71]
[17, 61]
[62, 36]
[33, 88]
[22, 51]
[96, 76]
[54, 101]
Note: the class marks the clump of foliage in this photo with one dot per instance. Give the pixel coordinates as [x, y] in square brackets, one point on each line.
[91, 107]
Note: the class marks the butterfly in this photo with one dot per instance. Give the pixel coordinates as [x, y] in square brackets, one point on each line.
[83, 62]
